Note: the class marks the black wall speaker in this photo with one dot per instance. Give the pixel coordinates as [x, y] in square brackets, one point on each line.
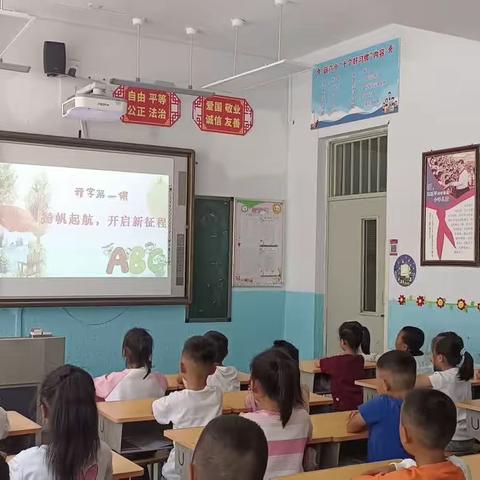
[54, 58]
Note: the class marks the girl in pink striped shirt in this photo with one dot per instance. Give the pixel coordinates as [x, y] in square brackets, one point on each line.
[275, 383]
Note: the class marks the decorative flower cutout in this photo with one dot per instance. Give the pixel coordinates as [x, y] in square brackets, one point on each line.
[420, 301]
[461, 304]
[402, 300]
[441, 302]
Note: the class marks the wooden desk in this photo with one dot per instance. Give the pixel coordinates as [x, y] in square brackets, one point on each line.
[308, 370]
[353, 471]
[473, 417]
[234, 402]
[20, 425]
[173, 385]
[369, 386]
[124, 468]
[329, 431]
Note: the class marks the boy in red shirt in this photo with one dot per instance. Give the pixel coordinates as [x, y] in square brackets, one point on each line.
[428, 422]
[344, 370]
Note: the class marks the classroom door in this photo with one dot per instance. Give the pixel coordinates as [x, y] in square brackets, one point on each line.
[356, 245]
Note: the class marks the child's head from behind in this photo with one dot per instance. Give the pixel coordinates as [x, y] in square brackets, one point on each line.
[138, 348]
[221, 345]
[198, 360]
[428, 421]
[275, 382]
[365, 344]
[448, 352]
[396, 372]
[410, 339]
[230, 448]
[351, 335]
[67, 399]
[288, 348]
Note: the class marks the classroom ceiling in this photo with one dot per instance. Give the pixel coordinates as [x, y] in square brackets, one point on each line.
[309, 24]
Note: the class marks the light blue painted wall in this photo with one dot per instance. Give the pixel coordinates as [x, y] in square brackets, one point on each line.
[94, 335]
[433, 320]
[304, 322]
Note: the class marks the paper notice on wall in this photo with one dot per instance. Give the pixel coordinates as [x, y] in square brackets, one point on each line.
[259, 232]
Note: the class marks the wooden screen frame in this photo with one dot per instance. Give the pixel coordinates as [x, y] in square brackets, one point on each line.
[120, 147]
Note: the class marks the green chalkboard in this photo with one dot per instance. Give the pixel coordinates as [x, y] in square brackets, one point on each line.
[212, 266]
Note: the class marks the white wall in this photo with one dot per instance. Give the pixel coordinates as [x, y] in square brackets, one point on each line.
[250, 166]
[439, 105]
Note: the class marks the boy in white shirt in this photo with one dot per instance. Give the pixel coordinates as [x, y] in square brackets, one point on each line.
[225, 378]
[198, 403]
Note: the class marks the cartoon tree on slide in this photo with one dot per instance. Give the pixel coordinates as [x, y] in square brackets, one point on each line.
[38, 202]
[7, 197]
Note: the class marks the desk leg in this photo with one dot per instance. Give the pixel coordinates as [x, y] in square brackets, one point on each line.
[307, 379]
[183, 459]
[110, 433]
[329, 455]
[473, 424]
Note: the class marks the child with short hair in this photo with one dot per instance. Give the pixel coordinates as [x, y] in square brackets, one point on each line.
[226, 378]
[345, 369]
[230, 448]
[275, 383]
[74, 450]
[198, 403]
[411, 339]
[137, 381]
[428, 422]
[454, 368]
[396, 374]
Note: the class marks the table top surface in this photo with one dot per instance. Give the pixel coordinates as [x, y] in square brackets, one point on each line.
[20, 425]
[308, 366]
[347, 473]
[473, 405]
[327, 428]
[124, 468]
[172, 381]
[372, 383]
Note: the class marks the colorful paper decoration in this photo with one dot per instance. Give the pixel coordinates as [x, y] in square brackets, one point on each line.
[149, 107]
[218, 114]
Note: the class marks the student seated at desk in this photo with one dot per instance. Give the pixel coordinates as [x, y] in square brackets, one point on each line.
[275, 383]
[345, 369]
[365, 345]
[74, 451]
[428, 422]
[411, 339]
[137, 381]
[230, 448]
[225, 378]
[198, 403]
[453, 371]
[4, 424]
[396, 375]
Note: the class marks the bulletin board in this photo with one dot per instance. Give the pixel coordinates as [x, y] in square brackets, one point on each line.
[259, 243]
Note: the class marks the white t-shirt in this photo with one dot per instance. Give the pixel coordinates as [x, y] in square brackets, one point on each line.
[4, 424]
[459, 391]
[225, 378]
[187, 409]
[31, 464]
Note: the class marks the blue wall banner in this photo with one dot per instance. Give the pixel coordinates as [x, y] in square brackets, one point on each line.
[359, 85]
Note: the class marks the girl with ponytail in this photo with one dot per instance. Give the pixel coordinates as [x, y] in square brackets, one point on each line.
[74, 451]
[137, 381]
[454, 368]
[275, 384]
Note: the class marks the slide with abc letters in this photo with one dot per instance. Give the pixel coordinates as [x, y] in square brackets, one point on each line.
[62, 222]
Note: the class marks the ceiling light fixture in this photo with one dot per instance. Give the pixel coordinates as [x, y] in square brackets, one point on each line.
[28, 22]
[265, 74]
[165, 86]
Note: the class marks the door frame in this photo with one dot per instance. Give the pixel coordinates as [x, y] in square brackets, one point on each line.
[324, 144]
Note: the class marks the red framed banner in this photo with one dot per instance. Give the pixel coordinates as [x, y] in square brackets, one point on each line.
[149, 107]
[218, 114]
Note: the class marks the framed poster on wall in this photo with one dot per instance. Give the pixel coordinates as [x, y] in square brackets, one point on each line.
[450, 207]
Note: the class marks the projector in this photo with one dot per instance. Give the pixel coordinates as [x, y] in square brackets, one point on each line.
[92, 104]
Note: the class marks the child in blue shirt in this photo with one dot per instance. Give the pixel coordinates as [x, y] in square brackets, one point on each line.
[396, 375]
